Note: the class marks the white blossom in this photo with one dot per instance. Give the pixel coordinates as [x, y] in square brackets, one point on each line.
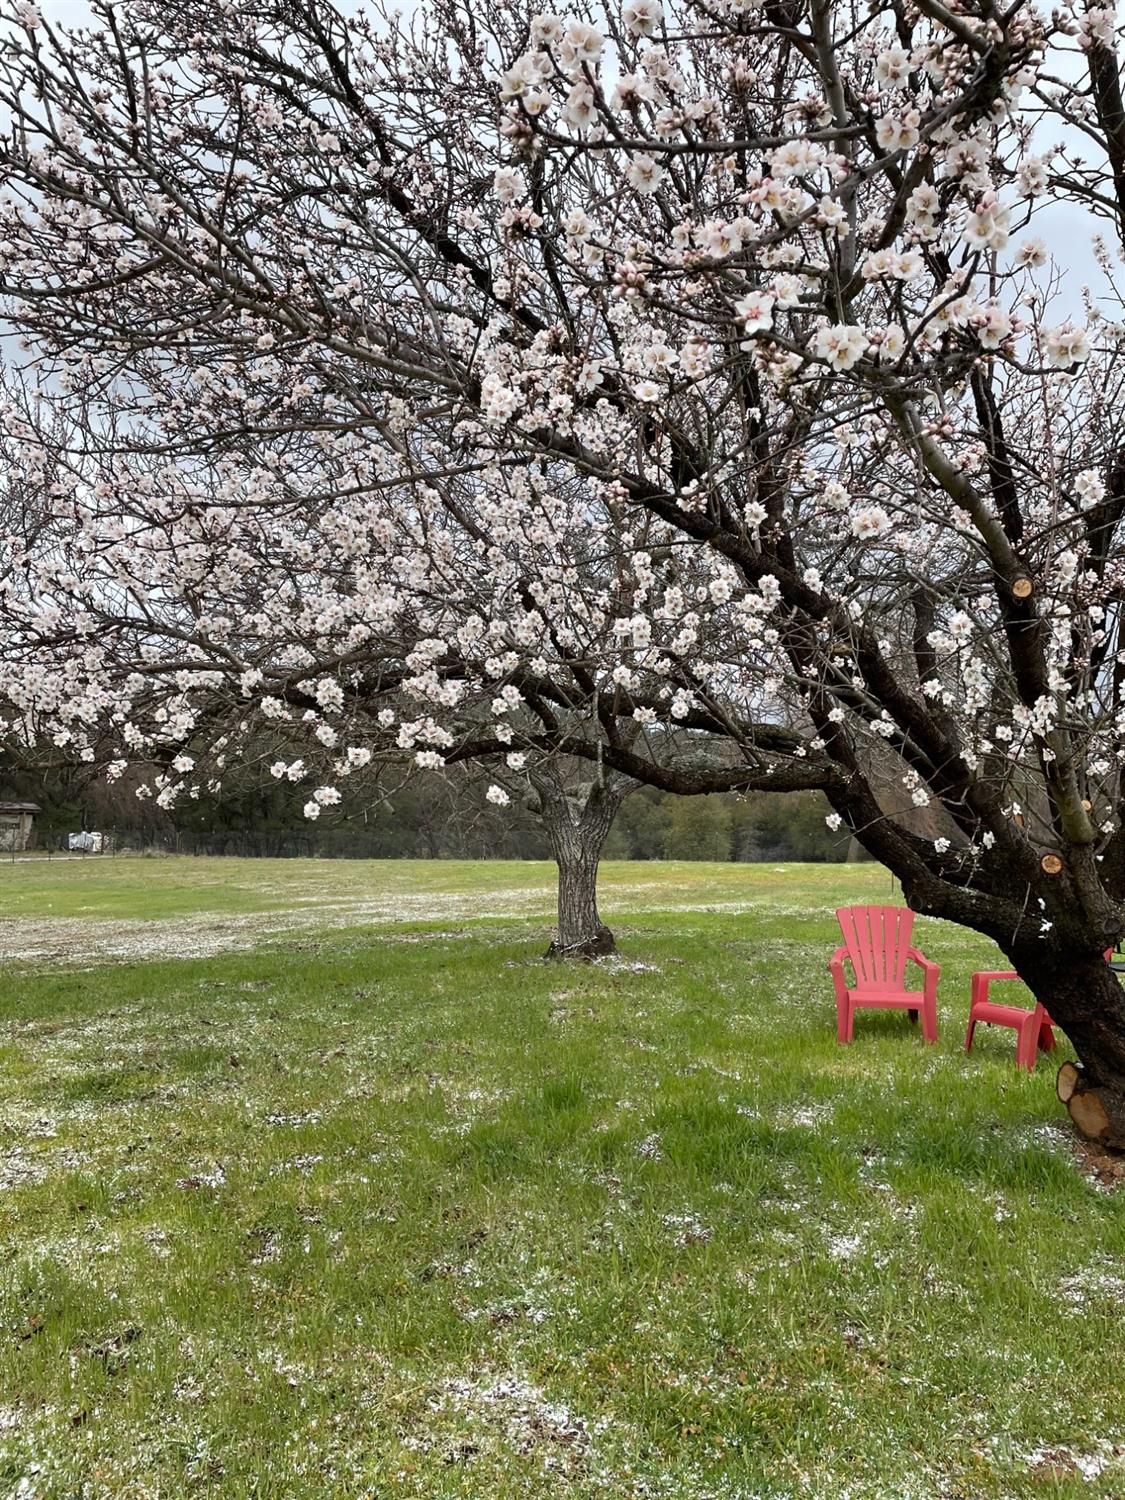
[644, 173]
[842, 345]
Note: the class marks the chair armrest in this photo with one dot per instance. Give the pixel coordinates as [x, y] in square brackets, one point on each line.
[984, 979]
[923, 962]
[839, 978]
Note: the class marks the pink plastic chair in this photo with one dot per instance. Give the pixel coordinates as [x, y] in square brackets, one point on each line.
[877, 945]
[1032, 1027]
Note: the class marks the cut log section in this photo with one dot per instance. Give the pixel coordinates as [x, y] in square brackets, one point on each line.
[1099, 1113]
[1067, 1081]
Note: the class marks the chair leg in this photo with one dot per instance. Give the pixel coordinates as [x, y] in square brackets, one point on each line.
[843, 1022]
[1027, 1037]
[969, 1034]
[1047, 1037]
[929, 1019]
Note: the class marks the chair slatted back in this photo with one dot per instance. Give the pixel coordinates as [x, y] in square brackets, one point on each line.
[877, 939]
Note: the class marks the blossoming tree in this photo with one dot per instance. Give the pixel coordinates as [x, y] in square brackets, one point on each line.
[758, 297]
[293, 611]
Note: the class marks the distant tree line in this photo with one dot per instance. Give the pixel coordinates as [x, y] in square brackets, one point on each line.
[440, 816]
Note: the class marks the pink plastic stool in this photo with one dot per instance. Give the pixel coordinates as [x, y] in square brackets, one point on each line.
[1032, 1027]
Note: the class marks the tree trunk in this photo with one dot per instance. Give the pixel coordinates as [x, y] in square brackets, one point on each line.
[1053, 926]
[577, 825]
[581, 933]
[1087, 999]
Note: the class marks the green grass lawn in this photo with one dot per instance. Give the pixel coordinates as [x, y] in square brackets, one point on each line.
[390, 1207]
[103, 887]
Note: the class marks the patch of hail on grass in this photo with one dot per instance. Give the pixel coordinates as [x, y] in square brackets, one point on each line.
[505, 1415]
[607, 1234]
[467, 1271]
[157, 1241]
[559, 1015]
[215, 1178]
[303, 1164]
[189, 1390]
[18, 1169]
[467, 1101]
[1092, 1283]
[844, 1246]
[296, 1118]
[1060, 1461]
[649, 1148]
[793, 1204]
[871, 1169]
[805, 1116]
[21, 1115]
[613, 963]
[543, 1295]
[295, 1373]
[117, 1036]
[1052, 1135]
[639, 1045]
[71, 1251]
[687, 1229]
[705, 1065]
[509, 1310]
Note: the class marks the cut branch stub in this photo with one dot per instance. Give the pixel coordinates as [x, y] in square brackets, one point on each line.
[1022, 587]
[1051, 864]
[1067, 1081]
[1098, 1112]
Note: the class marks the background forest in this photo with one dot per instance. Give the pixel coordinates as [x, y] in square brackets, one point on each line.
[444, 816]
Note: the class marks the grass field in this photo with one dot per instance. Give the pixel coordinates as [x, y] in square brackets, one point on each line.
[358, 1197]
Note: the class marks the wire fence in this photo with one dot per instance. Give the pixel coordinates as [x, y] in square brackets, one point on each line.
[256, 844]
